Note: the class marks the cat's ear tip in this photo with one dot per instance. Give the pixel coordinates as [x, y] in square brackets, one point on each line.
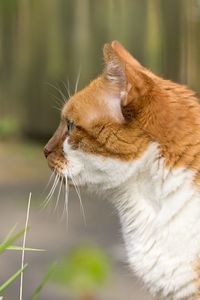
[115, 44]
[112, 48]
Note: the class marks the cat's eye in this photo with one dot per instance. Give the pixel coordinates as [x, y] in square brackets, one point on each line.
[70, 126]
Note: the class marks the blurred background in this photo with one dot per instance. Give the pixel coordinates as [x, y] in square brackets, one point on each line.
[44, 46]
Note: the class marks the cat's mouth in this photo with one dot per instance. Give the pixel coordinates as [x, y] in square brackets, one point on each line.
[57, 162]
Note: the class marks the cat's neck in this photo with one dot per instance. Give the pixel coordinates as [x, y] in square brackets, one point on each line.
[153, 183]
[160, 217]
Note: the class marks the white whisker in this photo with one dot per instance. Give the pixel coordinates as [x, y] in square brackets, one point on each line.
[67, 88]
[79, 196]
[58, 101]
[58, 90]
[66, 200]
[48, 198]
[54, 184]
[58, 197]
[48, 183]
[65, 210]
[57, 108]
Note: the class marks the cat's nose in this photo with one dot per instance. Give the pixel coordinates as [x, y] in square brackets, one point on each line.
[46, 151]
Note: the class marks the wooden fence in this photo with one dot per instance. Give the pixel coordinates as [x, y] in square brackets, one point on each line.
[45, 43]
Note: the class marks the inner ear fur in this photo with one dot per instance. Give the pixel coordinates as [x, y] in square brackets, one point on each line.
[114, 70]
[123, 70]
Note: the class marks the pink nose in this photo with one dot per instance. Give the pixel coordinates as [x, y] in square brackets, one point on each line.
[46, 151]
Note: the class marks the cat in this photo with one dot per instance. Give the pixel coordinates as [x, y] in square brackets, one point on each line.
[135, 137]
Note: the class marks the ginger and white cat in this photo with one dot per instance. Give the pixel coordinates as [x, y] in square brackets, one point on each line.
[135, 137]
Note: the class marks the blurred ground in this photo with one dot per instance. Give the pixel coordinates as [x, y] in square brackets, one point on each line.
[23, 170]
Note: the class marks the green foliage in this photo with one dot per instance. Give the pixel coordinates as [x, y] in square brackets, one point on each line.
[7, 244]
[83, 270]
[9, 240]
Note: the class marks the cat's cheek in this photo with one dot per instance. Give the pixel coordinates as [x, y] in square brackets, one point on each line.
[74, 167]
[74, 164]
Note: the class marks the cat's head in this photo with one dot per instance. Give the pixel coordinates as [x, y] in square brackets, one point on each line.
[106, 128]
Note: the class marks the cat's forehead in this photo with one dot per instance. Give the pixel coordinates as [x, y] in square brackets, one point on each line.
[83, 101]
[98, 100]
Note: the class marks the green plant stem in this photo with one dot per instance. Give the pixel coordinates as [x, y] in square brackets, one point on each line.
[43, 282]
[12, 278]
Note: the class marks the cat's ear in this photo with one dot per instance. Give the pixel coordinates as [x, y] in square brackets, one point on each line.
[123, 70]
[125, 56]
[114, 68]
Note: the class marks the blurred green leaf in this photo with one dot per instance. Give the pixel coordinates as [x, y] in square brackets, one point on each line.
[83, 270]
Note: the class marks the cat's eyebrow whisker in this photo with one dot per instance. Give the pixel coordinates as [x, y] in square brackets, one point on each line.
[58, 90]
[57, 108]
[66, 88]
[58, 101]
[59, 191]
[79, 196]
[77, 80]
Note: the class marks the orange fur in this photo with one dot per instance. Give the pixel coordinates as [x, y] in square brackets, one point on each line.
[152, 109]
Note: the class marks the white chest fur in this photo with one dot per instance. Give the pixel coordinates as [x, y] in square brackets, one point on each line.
[160, 215]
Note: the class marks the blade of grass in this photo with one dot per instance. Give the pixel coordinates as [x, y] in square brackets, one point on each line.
[19, 248]
[9, 234]
[12, 278]
[23, 250]
[43, 282]
[10, 241]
